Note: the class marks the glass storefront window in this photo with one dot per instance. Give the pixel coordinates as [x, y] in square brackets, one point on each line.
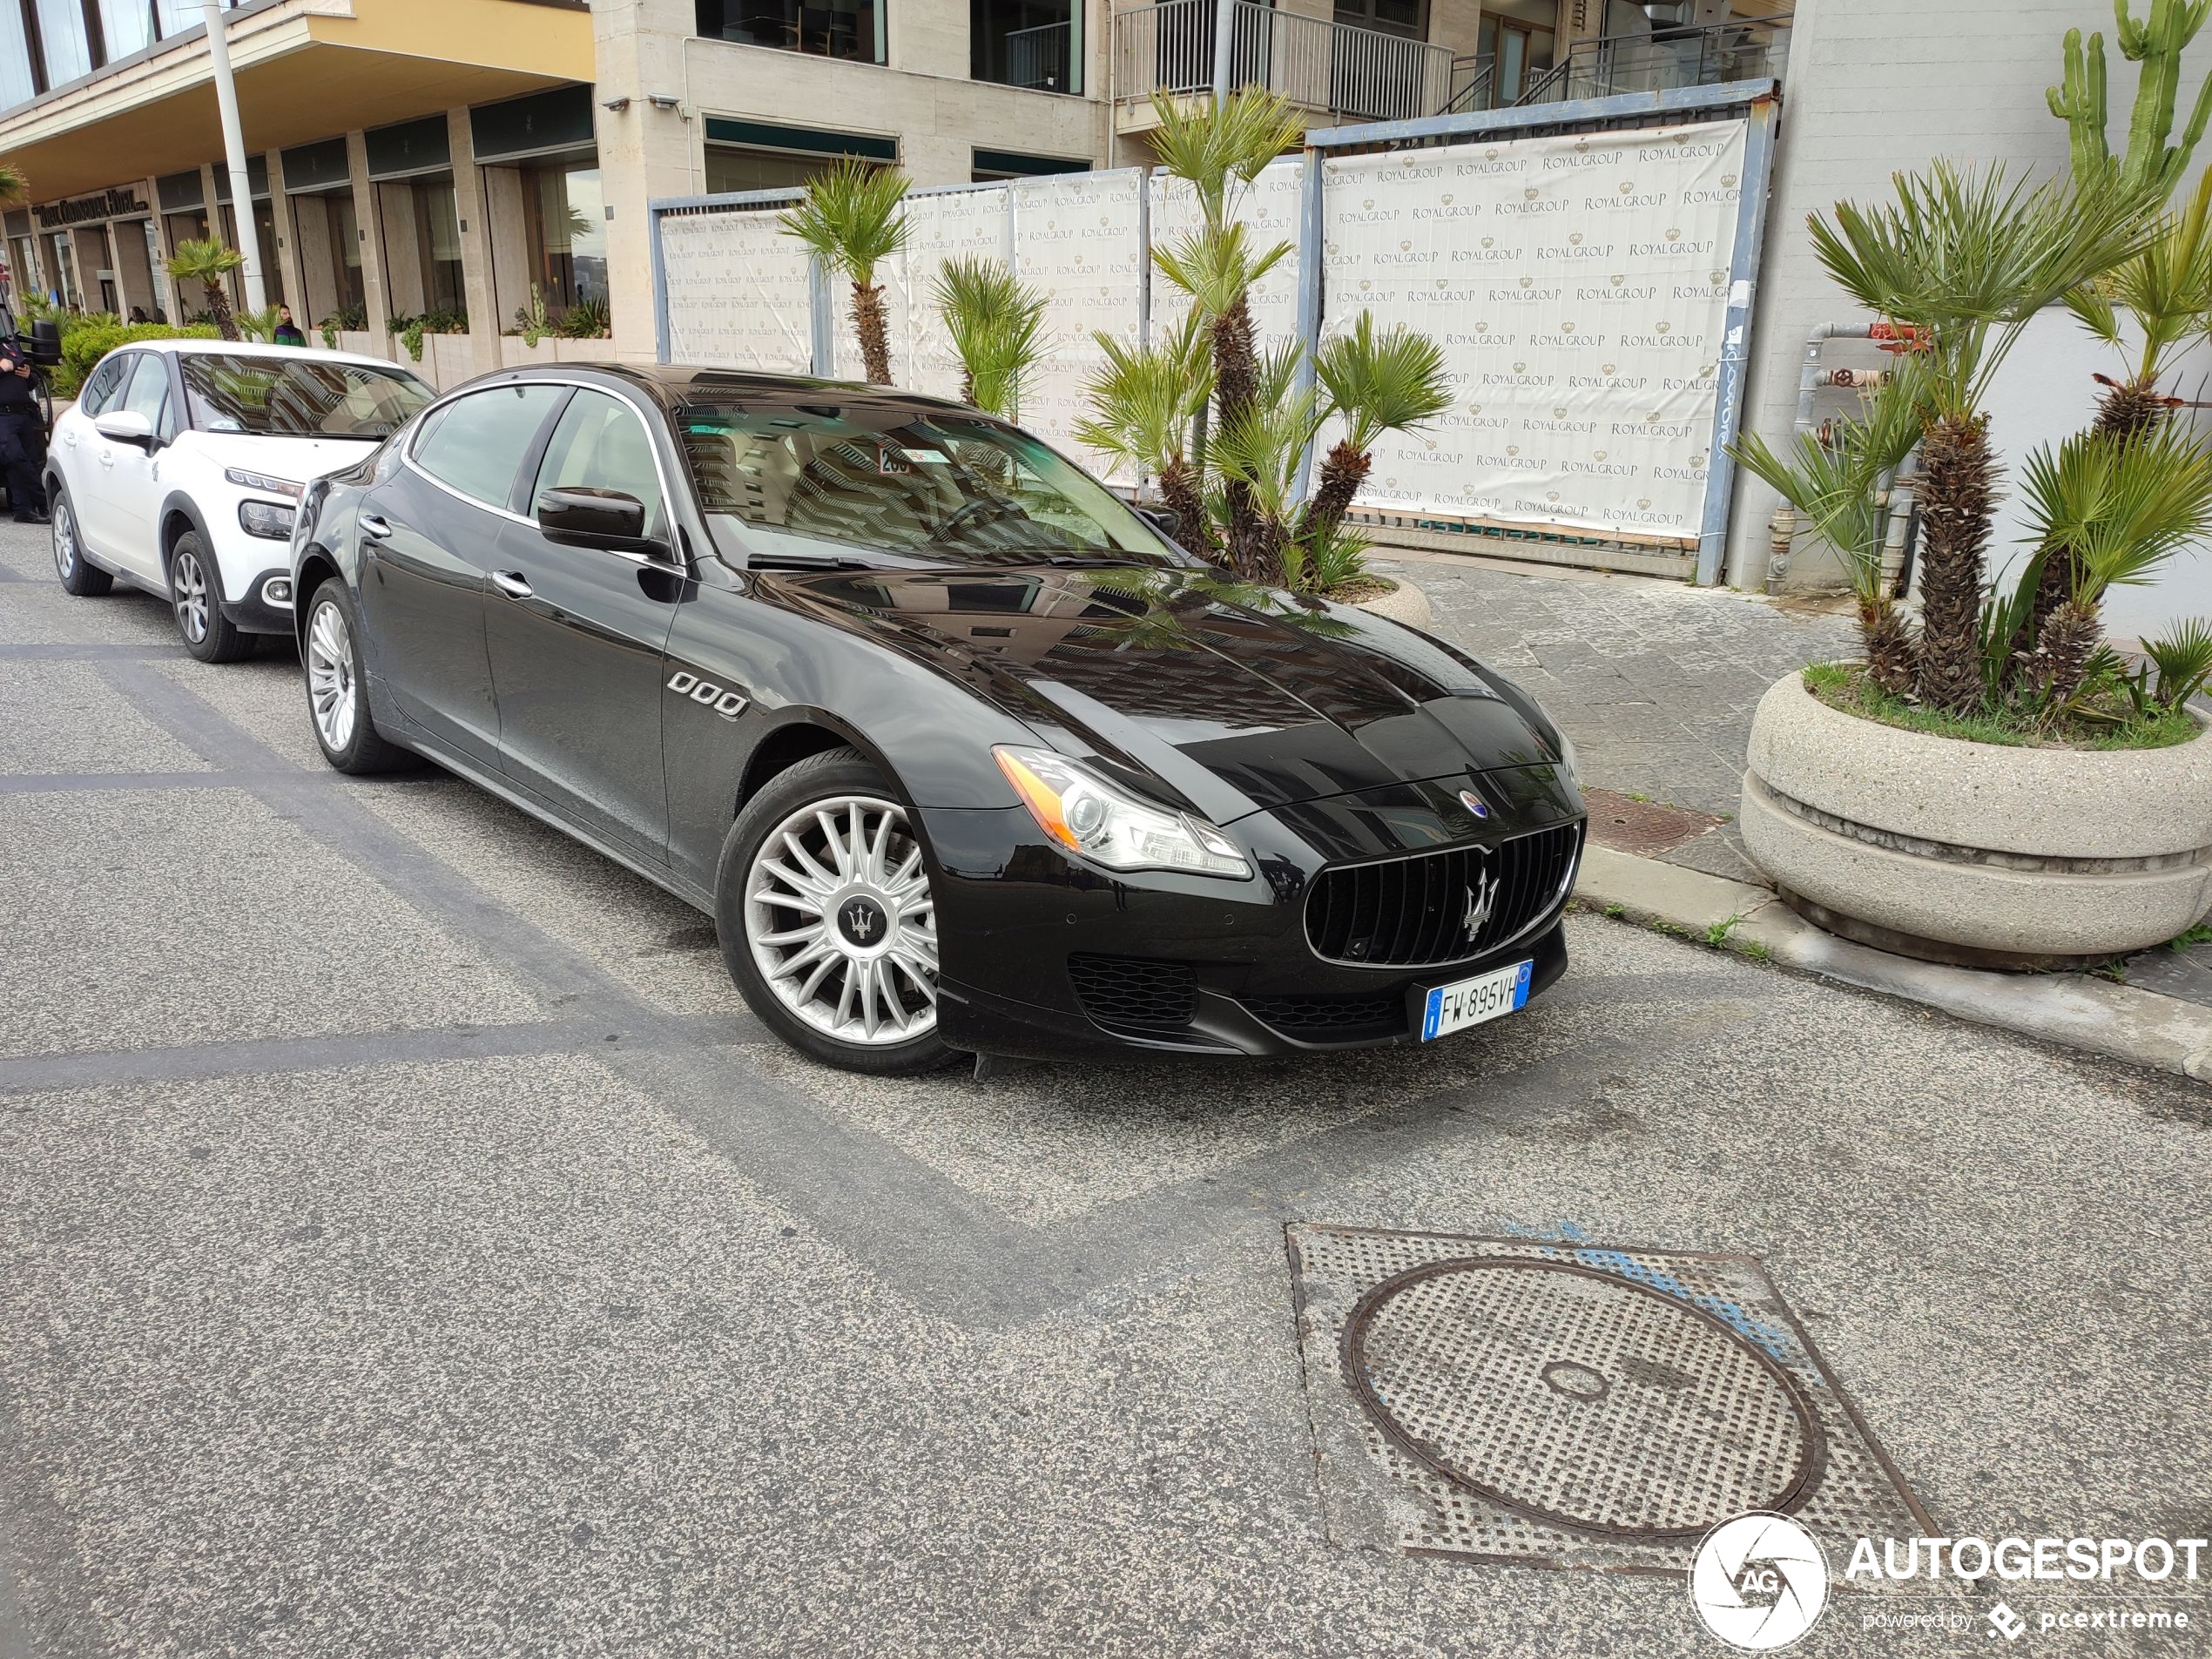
[437, 238]
[265, 236]
[731, 166]
[162, 283]
[65, 264]
[568, 233]
[25, 277]
[848, 29]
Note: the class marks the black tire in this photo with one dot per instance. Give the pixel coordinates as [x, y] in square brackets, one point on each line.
[331, 666]
[819, 778]
[79, 575]
[196, 601]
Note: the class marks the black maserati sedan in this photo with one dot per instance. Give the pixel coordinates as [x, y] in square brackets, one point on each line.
[962, 754]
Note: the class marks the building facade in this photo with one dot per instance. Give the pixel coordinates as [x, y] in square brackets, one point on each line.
[466, 161]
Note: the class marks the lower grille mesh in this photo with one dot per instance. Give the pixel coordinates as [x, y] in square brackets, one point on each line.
[1413, 911]
[1128, 990]
[1327, 1017]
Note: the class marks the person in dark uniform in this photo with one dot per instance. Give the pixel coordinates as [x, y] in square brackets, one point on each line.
[23, 436]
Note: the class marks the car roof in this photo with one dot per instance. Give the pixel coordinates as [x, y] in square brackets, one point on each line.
[256, 348]
[674, 384]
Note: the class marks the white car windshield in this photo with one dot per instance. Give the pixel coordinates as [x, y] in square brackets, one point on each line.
[818, 480]
[291, 397]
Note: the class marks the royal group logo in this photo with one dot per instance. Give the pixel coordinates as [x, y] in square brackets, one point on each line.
[1759, 1582]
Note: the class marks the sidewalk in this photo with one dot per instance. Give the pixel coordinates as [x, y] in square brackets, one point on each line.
[1657, 682]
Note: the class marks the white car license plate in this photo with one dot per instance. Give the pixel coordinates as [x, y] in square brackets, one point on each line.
[1470, 1001]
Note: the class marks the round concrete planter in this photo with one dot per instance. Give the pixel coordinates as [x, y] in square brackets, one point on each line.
[1977, 853]
[1403, 602]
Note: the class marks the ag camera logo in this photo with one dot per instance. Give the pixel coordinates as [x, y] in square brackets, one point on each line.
[1759, 1582]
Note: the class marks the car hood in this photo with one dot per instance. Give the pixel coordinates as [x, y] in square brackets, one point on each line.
[298, 459]
[1239, 697]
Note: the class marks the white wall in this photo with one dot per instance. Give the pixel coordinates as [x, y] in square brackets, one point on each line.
[2043, 392]
[1873, 86]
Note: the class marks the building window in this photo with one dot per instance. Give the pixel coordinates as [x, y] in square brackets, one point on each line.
[758, 155]
[994, 164]
[1036, 44]
[25, 275]
[63, 40]
[1517, 52]
[330, 257]
[1407, 18]
[421, 244]
[17, 83]
[567, 233]
[126, 26]
[265, 243]
[65, 270]
[846, 29]
[156, 271]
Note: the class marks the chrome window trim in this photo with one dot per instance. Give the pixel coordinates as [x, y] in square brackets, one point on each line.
[660, 471]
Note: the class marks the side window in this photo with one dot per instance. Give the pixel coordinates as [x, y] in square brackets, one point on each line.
[478, 442]
[148, 392]
[101, 385]
[601, 444]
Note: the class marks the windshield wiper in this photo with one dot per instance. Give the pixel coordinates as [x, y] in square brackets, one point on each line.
[805, 561]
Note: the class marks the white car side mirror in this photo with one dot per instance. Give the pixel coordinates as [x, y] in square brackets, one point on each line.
[125, 426]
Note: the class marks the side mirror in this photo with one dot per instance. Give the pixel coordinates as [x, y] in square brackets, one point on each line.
[585, 518]
[46, 343]
[1169, 523]
[125, 426]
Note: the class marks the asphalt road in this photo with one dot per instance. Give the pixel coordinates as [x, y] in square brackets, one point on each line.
[409, 1245]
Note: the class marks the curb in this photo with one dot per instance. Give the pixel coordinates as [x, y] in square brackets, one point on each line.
[2144, 1027]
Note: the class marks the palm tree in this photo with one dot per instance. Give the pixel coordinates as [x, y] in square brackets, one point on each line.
[1966, 261]
[1389, 383]
[1836, 487]
[1143, 400]
[2115, 509]
[1219, 147]
[997, 326]
[852, 218]
[208, 262]
[14, 186]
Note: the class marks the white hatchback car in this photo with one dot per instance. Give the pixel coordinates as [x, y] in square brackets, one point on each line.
[178, 469]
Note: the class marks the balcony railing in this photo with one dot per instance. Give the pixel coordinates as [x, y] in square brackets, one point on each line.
[1039, 58]
[1742, 48]
[1314, 63]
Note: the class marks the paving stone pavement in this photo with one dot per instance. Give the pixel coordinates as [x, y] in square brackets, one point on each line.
[1657, 682]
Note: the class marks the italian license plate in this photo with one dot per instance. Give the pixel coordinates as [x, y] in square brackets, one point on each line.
[1470, 1001]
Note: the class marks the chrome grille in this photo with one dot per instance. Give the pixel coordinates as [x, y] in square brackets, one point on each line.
[1413, 911]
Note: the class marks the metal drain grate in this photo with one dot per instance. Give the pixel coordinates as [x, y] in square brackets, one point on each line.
[1564, 1404]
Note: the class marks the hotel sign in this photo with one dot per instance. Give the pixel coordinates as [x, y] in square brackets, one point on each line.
[109, 203]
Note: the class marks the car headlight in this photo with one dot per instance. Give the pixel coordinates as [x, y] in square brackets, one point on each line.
[269, 518]
[1107, 825]
[267, 484]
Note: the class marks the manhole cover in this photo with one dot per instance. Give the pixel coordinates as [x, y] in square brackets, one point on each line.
[1644, 827]
[1569, 1403]
[1579, 1398]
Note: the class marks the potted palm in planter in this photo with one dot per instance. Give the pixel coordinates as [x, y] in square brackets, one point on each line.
[1996, 788]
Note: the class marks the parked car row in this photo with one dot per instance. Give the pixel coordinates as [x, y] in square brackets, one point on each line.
[963, 754]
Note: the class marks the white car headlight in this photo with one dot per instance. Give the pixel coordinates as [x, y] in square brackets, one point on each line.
[1108, 826]
[265, 481]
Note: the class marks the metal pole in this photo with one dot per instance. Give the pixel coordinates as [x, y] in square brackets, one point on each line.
[1735, 350]
[219, 62]
[1224, 39]
[1311, 239]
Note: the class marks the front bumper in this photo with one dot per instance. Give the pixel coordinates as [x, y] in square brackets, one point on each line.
[1043, 957]
[253, 613]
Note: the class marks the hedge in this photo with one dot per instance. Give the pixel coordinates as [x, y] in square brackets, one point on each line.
[92, 339]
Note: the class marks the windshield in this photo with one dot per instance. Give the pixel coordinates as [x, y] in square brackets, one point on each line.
[291, 397]
[818, 482]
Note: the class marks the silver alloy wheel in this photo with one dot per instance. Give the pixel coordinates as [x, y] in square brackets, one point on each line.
[64, 540]
[188, 590]
[841, 923]
[331, 693]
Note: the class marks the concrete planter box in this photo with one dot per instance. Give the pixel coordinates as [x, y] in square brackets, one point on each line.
[1976, 854]
[362, 342]
[1404, 602]
[448, 360]
[514, 352]
[584, 351]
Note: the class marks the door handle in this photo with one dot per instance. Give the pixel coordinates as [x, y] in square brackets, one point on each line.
[107, 456]
[510, 582]
[373, 525]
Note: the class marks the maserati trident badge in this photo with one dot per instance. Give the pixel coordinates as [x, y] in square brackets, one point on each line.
[1474, 803]
[1482, 898]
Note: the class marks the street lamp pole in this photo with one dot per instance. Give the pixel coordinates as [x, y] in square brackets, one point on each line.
[219, 60]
